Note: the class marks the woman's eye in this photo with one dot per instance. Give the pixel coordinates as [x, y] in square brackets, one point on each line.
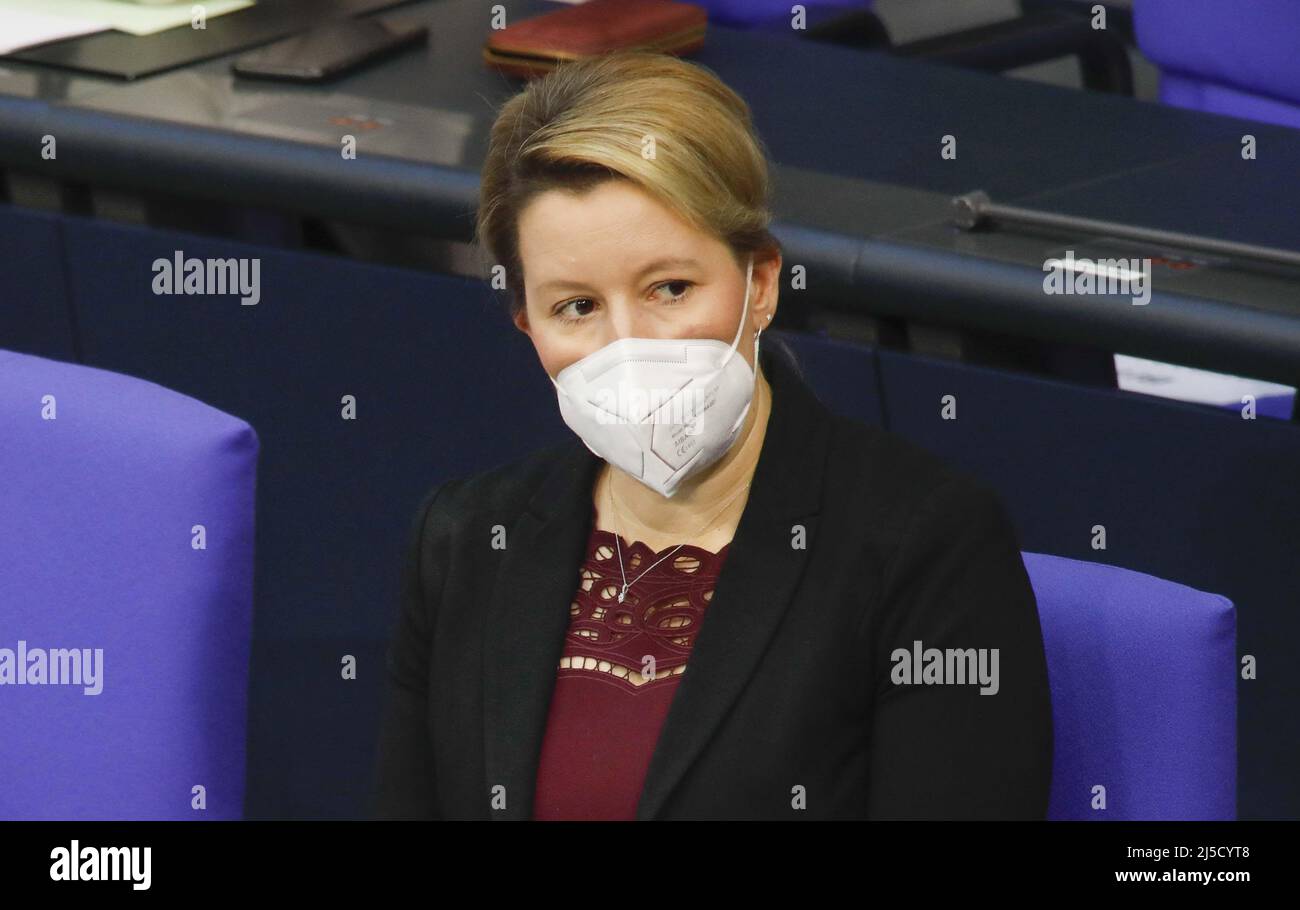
[563, 308]
[676, 298]
[565, 314]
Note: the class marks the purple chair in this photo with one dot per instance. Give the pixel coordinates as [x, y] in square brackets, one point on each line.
[1237, 59]
[1144, 693]
[126, 570]
[765, 13]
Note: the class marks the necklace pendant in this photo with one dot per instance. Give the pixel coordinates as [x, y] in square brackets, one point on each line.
[622, 594]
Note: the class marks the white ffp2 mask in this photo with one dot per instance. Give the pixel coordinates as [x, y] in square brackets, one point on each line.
[660, 409]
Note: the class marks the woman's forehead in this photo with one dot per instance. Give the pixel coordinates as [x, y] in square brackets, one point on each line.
[613, 233]
[613, 205]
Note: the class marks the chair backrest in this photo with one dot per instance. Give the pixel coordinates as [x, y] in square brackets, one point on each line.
[1144, 697]
[746, 13]
[126, 594]
[1171, 489]
[1237, 59]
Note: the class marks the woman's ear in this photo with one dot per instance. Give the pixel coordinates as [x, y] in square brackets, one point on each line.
[520, 318]
[768, 271]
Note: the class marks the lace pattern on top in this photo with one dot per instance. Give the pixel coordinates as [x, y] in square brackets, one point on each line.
[645, 640]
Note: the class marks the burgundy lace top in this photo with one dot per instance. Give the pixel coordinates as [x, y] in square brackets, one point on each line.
[610, 701]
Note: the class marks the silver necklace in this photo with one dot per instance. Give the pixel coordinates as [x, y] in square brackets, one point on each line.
[614, 508]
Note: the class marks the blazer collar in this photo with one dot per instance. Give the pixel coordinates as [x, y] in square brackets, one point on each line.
[528, 612]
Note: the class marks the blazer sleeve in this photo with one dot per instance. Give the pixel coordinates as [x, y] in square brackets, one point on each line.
[404, 782]
[947, 751]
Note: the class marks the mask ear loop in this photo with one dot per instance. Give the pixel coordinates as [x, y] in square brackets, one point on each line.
[740, 329]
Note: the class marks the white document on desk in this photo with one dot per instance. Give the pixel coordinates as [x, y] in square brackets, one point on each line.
[137, 19]
[21, 28]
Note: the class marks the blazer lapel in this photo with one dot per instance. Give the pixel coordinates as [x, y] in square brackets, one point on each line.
[527, 619]
[528, 613]
[756, 585]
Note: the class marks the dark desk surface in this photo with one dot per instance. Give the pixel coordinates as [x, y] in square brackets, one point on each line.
[862, 190]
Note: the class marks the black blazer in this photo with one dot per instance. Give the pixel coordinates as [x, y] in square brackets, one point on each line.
[787, 709]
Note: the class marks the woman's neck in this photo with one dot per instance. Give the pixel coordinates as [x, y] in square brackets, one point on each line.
[640, 513]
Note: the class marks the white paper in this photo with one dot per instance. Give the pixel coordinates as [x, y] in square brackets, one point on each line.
[1153, 377]
[22, 28]
[135, 18]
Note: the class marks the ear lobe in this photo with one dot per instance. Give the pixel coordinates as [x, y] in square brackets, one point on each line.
[520, 320]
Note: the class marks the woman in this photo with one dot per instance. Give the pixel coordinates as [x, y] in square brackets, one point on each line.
[860, 632]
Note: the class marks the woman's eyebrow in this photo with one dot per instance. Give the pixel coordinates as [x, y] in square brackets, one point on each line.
[668, 262]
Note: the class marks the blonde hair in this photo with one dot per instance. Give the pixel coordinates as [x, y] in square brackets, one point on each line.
[593, 120]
